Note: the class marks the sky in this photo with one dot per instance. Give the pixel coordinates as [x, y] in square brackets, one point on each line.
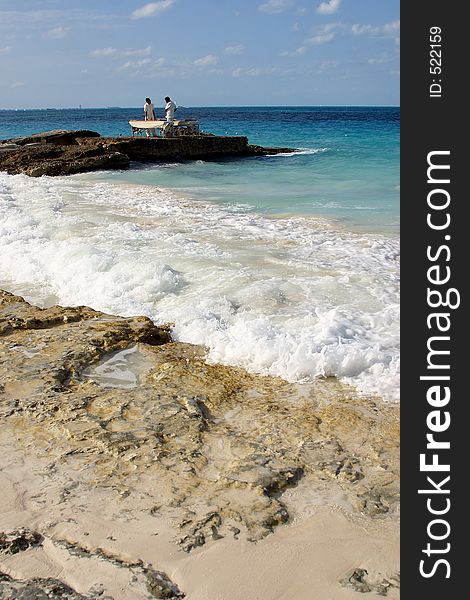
[98, 53]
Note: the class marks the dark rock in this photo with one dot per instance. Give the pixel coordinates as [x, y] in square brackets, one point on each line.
[255, 150]
[5, 147]
[278, 482]
[199, 531]
[37, 589]
[61, 137]
[19, 540]
[79, 165]
[160, 586]
[68, 152]
[361, 581]
[373, 503]
[54, 159]
[235, 530]
[356, 581]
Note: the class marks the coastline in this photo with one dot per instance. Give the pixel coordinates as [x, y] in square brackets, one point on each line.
[236, 486]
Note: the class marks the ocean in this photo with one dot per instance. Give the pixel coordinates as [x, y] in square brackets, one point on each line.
[286, 265]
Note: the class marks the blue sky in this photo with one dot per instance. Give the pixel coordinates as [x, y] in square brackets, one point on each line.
[58, 53]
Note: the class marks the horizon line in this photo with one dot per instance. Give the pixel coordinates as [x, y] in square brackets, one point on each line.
[80, 107]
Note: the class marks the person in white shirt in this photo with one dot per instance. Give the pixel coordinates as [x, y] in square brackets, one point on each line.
[149, 115]
[170, 108]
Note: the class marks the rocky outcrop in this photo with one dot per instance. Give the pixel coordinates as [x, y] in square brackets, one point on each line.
[213, 450]
[221, 428]
[68, 152]
[52, 159]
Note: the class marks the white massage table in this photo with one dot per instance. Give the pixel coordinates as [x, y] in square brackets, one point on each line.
[165, 129]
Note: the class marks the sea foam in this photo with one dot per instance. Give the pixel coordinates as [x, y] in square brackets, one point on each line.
[297, 297]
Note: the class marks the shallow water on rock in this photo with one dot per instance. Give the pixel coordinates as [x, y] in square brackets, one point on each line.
[122, 369]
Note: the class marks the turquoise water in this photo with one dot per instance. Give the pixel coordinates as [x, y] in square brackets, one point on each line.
[347, 167]
[286, 265]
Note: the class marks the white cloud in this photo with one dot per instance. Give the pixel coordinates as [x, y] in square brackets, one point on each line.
[257, 72]
[104, 52]
[134, 64]
[157, 68]
[274, 7]
[363, 29]
[125, 52]
[321, 38]
[392, 27]
[138, 52]
[301, 11]
[295, 27]
[329, 7]
[386, 30]
[323, 34]
[297, 52]
[152, 9]
[5, 50]
[234, 49]
[382, 59]
[58, 33]
[17, 84]
[206, 61]
[165, 67]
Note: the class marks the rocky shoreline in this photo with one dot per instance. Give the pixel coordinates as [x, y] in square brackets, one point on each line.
[67, 152]
[184, 455]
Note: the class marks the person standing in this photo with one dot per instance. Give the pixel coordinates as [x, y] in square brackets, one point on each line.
[170, 108]
[149, 115]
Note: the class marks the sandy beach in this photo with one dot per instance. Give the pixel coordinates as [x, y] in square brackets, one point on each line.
[184, 479]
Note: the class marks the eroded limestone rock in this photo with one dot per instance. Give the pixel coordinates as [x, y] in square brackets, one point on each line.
[213, 449]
